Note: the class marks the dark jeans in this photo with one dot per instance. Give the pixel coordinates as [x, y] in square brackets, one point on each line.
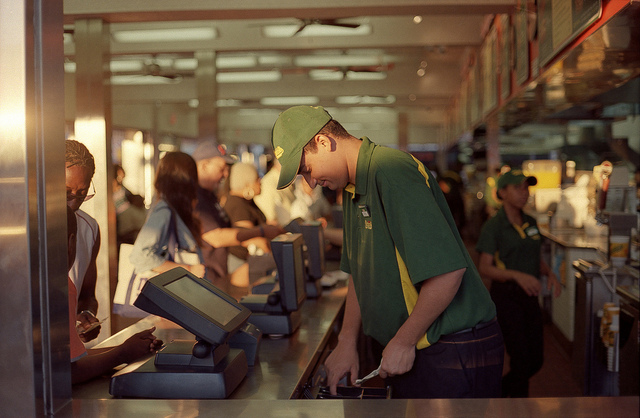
[521, 321]
[467, 364]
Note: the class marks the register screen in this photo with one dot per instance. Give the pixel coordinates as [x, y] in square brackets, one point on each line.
[202, 299]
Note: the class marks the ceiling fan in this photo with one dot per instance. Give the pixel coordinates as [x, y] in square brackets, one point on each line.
[325, 22]
[152, 68]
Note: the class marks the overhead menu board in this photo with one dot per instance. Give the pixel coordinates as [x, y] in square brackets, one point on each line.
[562, 21]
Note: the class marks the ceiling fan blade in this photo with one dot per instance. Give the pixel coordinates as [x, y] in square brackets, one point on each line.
[334, 22]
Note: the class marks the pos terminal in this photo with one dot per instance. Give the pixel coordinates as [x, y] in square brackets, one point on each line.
[205, 368]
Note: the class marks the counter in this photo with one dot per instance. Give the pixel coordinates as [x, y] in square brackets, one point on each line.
[281, 361]
[567, 246]
[284, 363]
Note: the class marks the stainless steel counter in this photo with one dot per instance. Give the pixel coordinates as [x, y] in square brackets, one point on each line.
[575, 238]
[281, 362]
[596, 407]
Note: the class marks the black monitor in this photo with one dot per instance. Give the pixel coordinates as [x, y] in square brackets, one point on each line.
[313, 234]
[193, 303]
[288, 252]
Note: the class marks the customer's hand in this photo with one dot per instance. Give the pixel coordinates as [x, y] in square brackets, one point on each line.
[88, 326]
[140, 344]
[197, 269]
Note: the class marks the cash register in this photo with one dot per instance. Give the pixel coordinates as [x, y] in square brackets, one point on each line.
[277, 312]
[209, 367]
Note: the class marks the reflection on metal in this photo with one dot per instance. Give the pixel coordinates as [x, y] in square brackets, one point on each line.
[93, 128]
[34, 324]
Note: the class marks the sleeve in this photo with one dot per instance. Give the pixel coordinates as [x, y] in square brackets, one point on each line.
[419, 221]
[150, 248]
[237, 211]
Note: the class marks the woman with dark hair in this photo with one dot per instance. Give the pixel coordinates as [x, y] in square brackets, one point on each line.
[171, 223]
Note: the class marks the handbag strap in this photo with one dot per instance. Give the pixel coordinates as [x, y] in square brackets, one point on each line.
[173, 244]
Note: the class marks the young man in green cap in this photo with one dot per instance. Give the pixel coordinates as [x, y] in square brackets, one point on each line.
[510, 255]
[413, 286]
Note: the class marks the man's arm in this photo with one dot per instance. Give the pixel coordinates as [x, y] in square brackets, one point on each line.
[435, 295]
[229, 237]
[344, 358]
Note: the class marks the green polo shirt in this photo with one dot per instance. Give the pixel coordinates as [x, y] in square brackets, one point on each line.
[514, 247]
[398, 232]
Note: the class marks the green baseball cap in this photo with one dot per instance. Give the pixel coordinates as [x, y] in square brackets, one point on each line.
[515, 177]
[293, 129]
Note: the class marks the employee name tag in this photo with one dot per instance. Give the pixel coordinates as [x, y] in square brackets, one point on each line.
[532, 231]
[364, 210]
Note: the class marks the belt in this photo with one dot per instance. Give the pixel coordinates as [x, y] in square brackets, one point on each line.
[476, 328]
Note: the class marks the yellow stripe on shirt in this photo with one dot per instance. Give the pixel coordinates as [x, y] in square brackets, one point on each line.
[410, 296]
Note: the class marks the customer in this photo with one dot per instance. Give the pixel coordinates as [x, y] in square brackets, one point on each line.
[274, 203]
[87, 364]
[217, 233]
[509, 246]
[79, 170]
[413, 286]
[172, 214]
[244, 185]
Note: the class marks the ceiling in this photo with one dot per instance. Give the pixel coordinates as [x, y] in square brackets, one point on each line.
[394, 46]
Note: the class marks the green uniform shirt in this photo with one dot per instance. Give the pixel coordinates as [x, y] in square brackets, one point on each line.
[398, 232]
[513, 247]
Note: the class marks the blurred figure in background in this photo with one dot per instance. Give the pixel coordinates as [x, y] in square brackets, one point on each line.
[244, 185]
[217, 233]
[130, 210]
[510, 255]
[274, 203]
[172, 217]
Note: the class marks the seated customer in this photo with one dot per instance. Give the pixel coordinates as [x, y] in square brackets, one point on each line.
[244, 184]
[87, 364]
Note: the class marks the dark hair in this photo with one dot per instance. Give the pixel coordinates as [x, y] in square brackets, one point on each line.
[332, 129]
[177, 183]
[76, 153]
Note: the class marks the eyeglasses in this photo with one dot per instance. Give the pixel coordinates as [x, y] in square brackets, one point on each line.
[82, 196]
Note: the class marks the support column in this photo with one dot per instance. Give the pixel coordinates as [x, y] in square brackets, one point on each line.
[403, 131]
[93, 128]
[34, 352]
[207, 95]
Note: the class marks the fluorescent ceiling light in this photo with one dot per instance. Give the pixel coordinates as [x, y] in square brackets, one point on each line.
[185, 64]
[275, 60]
[117, 66]
[247, 61]
[248, 76]
[366, 75]
[337, 60]
[228, 103]
[69, 67]
[353, 100]
[165, 35]
[326, 75]
[289, 101]
[142, 80]
[287, 31]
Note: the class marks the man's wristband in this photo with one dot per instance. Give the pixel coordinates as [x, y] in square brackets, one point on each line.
[87, 311]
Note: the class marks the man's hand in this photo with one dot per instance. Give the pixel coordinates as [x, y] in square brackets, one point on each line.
[397, 358]
[197, 269]
[528, 283]
[140, 344]
[342, 360]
